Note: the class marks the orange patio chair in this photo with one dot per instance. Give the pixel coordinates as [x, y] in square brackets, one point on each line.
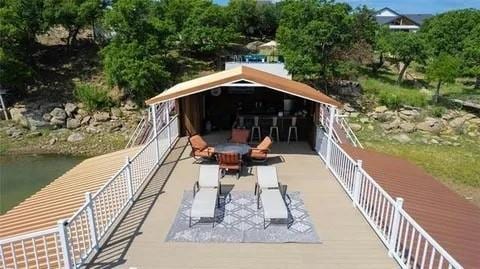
[240, 136]
[230, 161]
[200, 148]
[260, 153]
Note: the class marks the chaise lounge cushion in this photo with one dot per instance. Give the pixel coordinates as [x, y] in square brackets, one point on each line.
[209, 176]
[273, 204]
[267, 177]
[260, 152]
[204, 203]
[198, 143]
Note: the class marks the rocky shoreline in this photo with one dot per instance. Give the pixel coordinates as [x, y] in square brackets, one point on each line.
[416, 125]
[68, 128]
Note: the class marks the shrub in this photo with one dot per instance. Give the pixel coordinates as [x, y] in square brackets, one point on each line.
[92, 97]
[438, 111]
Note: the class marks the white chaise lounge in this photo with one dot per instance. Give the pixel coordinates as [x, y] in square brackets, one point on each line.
[206, 194]
[268, 190]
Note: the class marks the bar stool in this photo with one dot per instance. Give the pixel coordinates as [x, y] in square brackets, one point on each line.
[294, 128]
[256, 127]
[241, 122]
[274, 127]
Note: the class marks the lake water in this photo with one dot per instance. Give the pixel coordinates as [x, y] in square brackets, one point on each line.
[23, 175]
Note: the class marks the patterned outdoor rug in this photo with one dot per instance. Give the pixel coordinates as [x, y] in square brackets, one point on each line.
[239, 221]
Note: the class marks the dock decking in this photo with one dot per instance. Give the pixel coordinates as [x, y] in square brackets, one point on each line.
[347, 239]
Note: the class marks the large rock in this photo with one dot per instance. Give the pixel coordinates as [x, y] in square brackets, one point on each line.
[116, 112]
[348, 108]
[101, 116]
[75, 137]
[73, 123]
[130, 105]
[70, 108]
[381, 109]
[57, 121]
[355, 127]
[407, 127]
[58, 113]
[391, 125]
[47, 117]
[85, 120]
[409, 114]
[402, 138]
[430, 125]
[17, 115]
[457, 123]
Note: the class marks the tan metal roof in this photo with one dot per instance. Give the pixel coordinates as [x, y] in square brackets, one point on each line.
[61, 198]
[243, 73]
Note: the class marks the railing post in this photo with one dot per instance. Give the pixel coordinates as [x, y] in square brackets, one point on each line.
[167, 117]
[62, 230]
[395, 226]
[330, 134]
[91, 220]
[357, 183]
[154, 119]
[128, 176]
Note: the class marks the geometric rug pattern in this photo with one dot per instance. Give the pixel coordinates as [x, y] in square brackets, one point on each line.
[237, 220]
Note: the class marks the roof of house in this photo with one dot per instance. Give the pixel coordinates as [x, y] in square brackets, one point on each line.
[244, 73]
[64, 196]
[450, 219]
[418, 19]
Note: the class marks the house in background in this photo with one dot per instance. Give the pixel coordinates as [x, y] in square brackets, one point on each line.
[400, 22]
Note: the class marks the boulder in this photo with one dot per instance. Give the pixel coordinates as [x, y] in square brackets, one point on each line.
[381, 109]
[17, 115]
[364, 120]
[457, 123]
[73, 123]
[407, 127]
[409, 114]
[33, 134]
[115, 126]
[430, 125]
[57, 121]
[52, 141]
[116, 112]
[402, 138]
[348, 108]
[92, 130]
[85, 120]
[392, 125]
[35, 124]
[58, 113]
[101, 116]
[75, 137]
[130, 105]
[70, 108]
[47, 117]
[355, 127]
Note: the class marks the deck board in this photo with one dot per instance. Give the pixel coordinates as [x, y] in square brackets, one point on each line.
[347, 239]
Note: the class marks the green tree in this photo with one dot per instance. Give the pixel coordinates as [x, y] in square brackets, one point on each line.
[445, 33]
[381, 46]
[443, 68]
[135, 59]
[471, 54]
[406, 47]
[268, 15]
[311, 33]
[21, 21]
[207, 30]
[243, 16]
[73, 15]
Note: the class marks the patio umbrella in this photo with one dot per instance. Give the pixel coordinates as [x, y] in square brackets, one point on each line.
[270, 48]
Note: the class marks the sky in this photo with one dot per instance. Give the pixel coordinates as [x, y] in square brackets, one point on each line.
[409, 6]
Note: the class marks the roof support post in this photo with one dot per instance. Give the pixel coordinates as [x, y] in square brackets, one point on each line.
[357, 183]
[395, 227]
[167, 120]
[91, 220]
[330, 133]
[63, 236]
[155, 132]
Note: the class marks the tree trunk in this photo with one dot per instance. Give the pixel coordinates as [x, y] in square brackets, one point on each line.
[402, 72]
[437, 93]
[378, 65]
[477, 82]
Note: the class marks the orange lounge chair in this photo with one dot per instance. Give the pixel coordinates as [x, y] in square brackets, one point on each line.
[260, 153]
[230, 161]
[200, 148]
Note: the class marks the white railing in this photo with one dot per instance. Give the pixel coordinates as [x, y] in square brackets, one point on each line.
[407, 242]
[35, 250]
[349, 132]
[339, 125]
[74, 240]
